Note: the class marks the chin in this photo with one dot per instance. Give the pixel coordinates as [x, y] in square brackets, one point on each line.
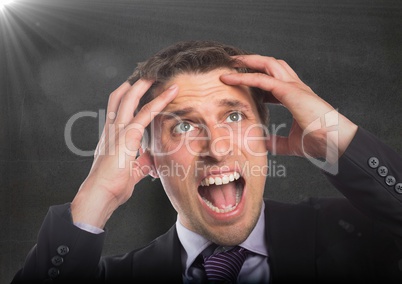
[231, 235]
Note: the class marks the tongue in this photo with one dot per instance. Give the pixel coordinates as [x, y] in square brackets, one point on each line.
[221, 196]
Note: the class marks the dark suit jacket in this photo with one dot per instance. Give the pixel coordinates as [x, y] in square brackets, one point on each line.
[332, 240]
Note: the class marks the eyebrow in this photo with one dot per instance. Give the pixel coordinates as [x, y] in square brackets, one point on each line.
[233, 104]
[222, 103]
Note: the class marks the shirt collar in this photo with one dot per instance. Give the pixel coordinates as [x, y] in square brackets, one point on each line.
[256, 241]
[193, 243]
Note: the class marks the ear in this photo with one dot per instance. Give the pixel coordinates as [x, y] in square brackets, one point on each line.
[153, 173]
[268, 137]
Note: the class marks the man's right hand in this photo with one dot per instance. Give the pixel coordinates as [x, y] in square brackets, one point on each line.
[116, 169]
[309, 111]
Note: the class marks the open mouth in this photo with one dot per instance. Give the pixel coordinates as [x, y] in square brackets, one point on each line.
[222, 193]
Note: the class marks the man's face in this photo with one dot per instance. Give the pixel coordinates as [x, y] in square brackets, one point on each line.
[209, 151]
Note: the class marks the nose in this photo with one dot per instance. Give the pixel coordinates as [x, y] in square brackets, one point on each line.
[219, 144]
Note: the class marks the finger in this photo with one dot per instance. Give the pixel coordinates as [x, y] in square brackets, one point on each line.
[129, 101]
[268, 65]
[268, 97]
[141, 167]
[114, 100]
[113, 104]
[278, 89]
[148, 112]
[258, 80]
[289, 69]
[100, 146]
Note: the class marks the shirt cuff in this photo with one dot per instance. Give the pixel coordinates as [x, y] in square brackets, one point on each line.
[88, 228]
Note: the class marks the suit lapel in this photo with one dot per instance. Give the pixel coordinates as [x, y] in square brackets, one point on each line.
[290, 233]
[160, 261]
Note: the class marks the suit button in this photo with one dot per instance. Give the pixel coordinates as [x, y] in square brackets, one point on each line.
[57, 260]
[63, 250]
[373, 162]
[398, 188]
[53, 272]
[382, 171]
[390, 180]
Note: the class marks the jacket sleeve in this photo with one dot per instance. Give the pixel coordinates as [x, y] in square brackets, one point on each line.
[62, 250]
[370, 176]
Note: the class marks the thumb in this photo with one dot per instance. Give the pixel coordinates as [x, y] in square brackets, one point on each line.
[141, 167]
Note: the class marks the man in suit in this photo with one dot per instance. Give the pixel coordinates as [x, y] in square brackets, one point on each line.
[200, 126]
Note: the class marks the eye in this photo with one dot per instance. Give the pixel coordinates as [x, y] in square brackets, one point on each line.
[183, 127]
[234, 117]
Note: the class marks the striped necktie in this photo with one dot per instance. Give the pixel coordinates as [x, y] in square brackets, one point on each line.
[224, 267]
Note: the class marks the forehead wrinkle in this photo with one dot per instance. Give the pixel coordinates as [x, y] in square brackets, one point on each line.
[199, 93]
[197, 90]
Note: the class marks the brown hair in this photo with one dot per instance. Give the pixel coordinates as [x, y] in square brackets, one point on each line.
[192, 57]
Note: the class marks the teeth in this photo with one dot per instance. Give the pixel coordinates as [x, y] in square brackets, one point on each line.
[231, 177]
[228, 208]
[224, 179]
